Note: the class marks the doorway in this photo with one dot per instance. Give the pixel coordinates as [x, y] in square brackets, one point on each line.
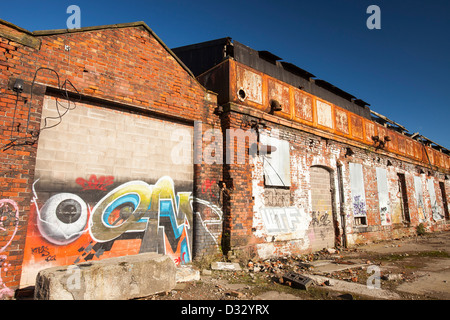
[322, 214]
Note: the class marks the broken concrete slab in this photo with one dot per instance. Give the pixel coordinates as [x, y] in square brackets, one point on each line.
[354, 288]
[226, 266]
[433, 284]
[333, 267]
[186, 273]
[120, 278]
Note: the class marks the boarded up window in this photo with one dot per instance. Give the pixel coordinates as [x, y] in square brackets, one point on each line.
[419, 198]
[383, 196]
[358, 195]
[435, 208]
[277, 165]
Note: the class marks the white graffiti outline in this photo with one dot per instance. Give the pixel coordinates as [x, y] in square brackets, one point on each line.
[38, 213]
[206, 223]
[4, 290]
[16, 207]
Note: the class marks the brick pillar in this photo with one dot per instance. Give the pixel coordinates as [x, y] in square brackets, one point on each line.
[238, 210]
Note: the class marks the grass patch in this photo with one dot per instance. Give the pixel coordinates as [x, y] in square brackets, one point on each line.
[431, 254]
[434, 254]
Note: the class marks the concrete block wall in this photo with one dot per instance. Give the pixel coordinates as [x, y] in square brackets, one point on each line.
[95, 158]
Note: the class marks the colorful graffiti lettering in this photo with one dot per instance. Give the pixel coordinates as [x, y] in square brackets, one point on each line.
[95, 183]
[133, 218]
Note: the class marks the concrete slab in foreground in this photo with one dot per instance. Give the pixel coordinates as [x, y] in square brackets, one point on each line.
[120, 278]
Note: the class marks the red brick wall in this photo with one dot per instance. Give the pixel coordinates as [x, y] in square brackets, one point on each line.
[125, 65]
[16, 162]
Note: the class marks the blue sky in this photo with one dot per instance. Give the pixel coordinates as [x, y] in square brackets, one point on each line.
[402, 70]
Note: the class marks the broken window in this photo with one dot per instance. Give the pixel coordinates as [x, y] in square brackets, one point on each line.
[404, 197]
[419, 198]
[358, 194]
[444, 199]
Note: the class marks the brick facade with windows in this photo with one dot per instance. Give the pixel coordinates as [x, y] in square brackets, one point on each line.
[114, 147]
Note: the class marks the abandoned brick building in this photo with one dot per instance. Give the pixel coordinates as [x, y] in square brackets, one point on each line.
[112, 144]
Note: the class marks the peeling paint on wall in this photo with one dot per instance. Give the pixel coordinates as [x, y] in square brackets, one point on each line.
[324, 114]
[251, 83]
[419, 198]
[435, 208]
[303, 106]
[341, 121]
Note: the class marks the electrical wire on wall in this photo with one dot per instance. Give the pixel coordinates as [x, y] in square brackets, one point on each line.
[32, 136]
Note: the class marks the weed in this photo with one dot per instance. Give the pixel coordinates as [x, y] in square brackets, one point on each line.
[435, 254]
[420, 229]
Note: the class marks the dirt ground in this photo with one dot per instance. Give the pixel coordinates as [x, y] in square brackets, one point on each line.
[411, 268]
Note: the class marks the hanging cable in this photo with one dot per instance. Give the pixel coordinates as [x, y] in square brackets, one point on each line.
[34, 135]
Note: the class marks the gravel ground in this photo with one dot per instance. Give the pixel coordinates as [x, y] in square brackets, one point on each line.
[415, 268]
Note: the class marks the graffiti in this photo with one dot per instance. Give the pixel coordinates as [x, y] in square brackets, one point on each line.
[4, 290]
[283, 220]
[133, 218]
[62, 219]
[383, 196]
[320, 220]
[385, 216]
[435, 209]
[95, 183]
[212, 226]
[419, 198]
[207, 188]
[359, 206]
[357, 189]
[9, 219]
[43, 251]
[277, 197]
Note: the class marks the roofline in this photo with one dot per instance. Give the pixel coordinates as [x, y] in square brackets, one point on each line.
[27, 38]
[117, 26]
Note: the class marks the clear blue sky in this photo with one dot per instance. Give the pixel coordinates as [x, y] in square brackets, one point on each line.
[402, 70]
